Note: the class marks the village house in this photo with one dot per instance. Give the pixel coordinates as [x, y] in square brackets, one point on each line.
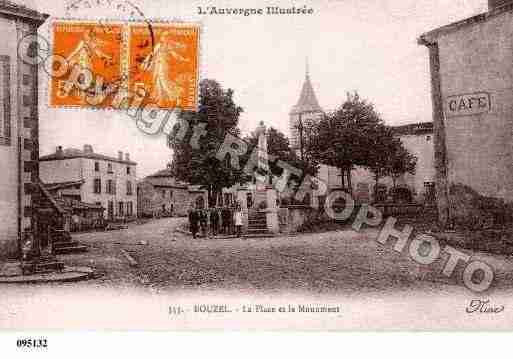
[161, 195]
[417, 138]
[93, 178]
[471, 78]
[19, 123]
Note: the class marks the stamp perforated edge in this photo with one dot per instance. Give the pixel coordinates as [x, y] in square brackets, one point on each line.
[125, 23]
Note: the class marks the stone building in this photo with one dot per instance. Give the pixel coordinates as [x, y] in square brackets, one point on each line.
[161, 195]
[93, 178]
[19, 126]
[418, 140]
[471, 80]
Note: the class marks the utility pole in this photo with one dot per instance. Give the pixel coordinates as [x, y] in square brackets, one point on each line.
[300, 125]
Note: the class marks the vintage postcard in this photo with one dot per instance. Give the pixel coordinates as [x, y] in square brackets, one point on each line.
[321, 165]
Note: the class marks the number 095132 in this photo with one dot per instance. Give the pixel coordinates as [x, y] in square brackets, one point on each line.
[31, 343]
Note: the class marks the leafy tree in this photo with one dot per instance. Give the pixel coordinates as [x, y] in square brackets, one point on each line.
[345, 138]
[401, 162]
[384, 147]
[355, 135]
[199, 166]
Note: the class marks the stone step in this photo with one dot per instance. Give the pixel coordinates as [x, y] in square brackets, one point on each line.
[257, 215]
[79, 248]
[257, 227]
[49, 266]
[65, 243]
[258, 235]
[257, 220]
[42, 267]
[257, 231]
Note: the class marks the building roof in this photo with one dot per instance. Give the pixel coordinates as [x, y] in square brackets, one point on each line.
[414, 128]
[195, 189]
[70, 153]
[433, 35]
[307, 100]
[162, 173]
[59, 185]
[164, 178]
[70, 204]
[20, 9]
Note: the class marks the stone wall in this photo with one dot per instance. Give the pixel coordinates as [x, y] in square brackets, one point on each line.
[158, 200]
[292, 218]
[19, 135]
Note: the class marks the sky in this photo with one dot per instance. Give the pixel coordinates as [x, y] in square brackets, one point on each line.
[367, 46]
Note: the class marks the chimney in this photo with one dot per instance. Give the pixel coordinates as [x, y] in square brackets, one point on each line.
[120, 155]
[88, 149]
[494, 4]
[59, 152]
[127, 156]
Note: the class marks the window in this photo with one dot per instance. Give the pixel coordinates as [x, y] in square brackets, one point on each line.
[128, 170]
[111, 187]
[110, 209]
[109, 168]
[97, 166]
[428, 138]
[129, 191]
[26, 80]
[170, 194]
[26, 100]
[129, 209]
[121, 208]
[97, 185]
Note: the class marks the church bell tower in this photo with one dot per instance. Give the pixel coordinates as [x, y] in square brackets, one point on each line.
[305, 111]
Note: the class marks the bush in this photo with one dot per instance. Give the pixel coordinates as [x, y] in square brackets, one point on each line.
[470, 210]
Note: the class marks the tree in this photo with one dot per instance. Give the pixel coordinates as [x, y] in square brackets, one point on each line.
[389, 157]
[401, 162]
[380, 159]
[345, 138]
[199, 166]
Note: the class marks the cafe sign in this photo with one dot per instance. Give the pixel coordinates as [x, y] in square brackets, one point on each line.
[467, 104]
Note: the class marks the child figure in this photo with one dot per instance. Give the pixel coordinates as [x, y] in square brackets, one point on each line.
[237, 218]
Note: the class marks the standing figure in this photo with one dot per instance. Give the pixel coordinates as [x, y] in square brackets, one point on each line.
[203, 219]
[159, 61]
[226, 220]
[214, 221]
[193, 222]
[237, 218]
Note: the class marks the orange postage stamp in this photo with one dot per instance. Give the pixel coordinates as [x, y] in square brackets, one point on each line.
[163, 62]
[89, 56]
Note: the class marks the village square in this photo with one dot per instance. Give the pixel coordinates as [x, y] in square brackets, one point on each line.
[341, 203]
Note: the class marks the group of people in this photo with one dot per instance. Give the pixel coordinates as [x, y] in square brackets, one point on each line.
[216, 220]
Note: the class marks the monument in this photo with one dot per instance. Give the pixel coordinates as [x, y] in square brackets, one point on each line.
[263, 205]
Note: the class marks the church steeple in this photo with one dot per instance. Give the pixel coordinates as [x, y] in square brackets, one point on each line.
[306, 110]
[307, 100]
